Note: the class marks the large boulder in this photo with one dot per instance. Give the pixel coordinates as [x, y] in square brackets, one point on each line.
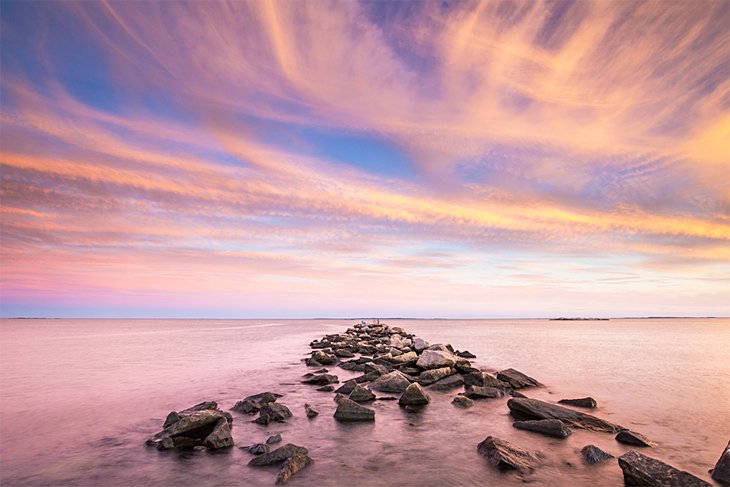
[194, 427]
[347, 387]
[504, 455]
[414, 395]
[721, 472]
[273, 411]
[632, 438]
[433, 375]
[482, 379]
[476, 392]
[583, 402]
[348, 410]
[517, 379]
[448, 383]
[405, 358]
[279, 455]
[252, 404]
[436, 359]
[419, 344]
[644, 471]
[592, 454]
[292, 465]
[548, 427]
[361, 394]
[220, 437]
[395, 381]
[175, 416]
[525, 408]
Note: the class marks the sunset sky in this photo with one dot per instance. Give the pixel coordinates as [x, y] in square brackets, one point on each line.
[313, 158]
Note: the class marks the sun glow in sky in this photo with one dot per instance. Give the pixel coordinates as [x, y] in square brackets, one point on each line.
[314, 158]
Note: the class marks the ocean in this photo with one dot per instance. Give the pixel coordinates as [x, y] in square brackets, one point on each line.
[78, 398]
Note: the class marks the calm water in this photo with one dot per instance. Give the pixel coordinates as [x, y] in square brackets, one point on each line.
[79, 397]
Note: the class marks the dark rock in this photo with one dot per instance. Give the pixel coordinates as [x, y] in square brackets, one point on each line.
[386, 398]
[645, 471]
[631, 438]
[435, 359]
[347, 387]
[433, 375]
[482, 379]
[525, 408]
[360, 379]
[504, 455]
[321, 371]
[252, 404]
[462, 402]
[517, 379]
[342, 352]
[259, 449]
[548, 427]
[448, 383]
[466, 354]
[352, 366]
[273, 411]
[195, 427]
[515, 393]
[323, 358]
[321, 380]
[273, 439]
[391, 382]
[413, 371]
[414, 395]
[379, 368]
[279, 455]
[721, 472]
[311, 362]
[592, 454]
[361, 394]
[476, 392]
[348, 410]
[584, 402]
[311, 412]
[195, 421]
[220, 437]
[327, 388]
[292, 465]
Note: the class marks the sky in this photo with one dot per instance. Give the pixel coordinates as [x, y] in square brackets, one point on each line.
[365, 159]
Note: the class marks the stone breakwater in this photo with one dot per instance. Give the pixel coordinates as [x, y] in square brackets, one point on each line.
[394, 365]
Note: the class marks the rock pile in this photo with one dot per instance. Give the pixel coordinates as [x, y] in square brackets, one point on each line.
[202, 426]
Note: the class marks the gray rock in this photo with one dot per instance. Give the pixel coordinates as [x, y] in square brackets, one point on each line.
[436, 359]
[348, 410]
[347, 387]
[220, 437]
[414, 395]
[548, 427]
[632, 438]
[194, 421]
[721, 472]
[644, 471]
[404, 358]
[273, 411]
[327, 388]
[592, 454]
[292, 465]
[476, 392]
[504, 455]
[321, 380]
[394, 381]
[323, 358]
[419, 344]
[448, 383]
[175, 416]
[344, 353]
[462, 402]
[525, 408]
[279, 455]
[482, 379]
[517, 379]
[361, 394]
[583, 402]
[433, 375]
[252, 404]
[273, 439]
[466, 354]
[311, 412]
[259, 449]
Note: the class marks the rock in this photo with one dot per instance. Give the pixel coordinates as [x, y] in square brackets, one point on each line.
[347, 387]
[404, 358]
[352, 366]
[430, 376]
[321, 380]
[321, 371]
[435, 359]
[584, 402]
[476, 392]
[380, 369]
[482, 379]
[548, 427]
[259, 449]
[448, 383]
[525, 408]
[414, 395]
[462, 402]
[174, 416]
[273, 411]
[310, 411]
[252, 404]
[466, 354]
[279, 455]
[344, 353]
[631, 438]
[327, 388]
[504, 455]
[361, 394]
[419, 344]
[394, 381]
[517, 379]
[323, 358]
[292, 465]
[721, 472]
[220, 437]
[195, 421]
[360, 379]
[645, 471]
[273, 439]
[592, 454]
[348, 410]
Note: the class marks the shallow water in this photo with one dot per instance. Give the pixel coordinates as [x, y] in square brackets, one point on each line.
[79, 397]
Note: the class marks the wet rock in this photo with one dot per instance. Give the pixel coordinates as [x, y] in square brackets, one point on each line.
[462, 402]
[323, 358]
[482, 379]
[430, 376]
[378, 368]
[347, 387]
[194, 427]
[273, 439]
[311, 362]
[273, 411]
[414, 395]
[466, 354]
[327, 388]
[175, 416]
[632, 438]
[435, 359]
[321, 380]
[259, 449]
[311, 412]
[583, 402]
[644, 471]
[504, 455]
[344, 353]
[448, 383]
[321, 371]
[515, 393]
[195, 421]
[548, 427]
[476, 392]
[525, 408]
[394, 381]
[721, 472]
[352, 366]
[292, 465]
[592, 454]
[279, 455]
[361, 394]
[517, 379]
[370, 376]
[252, 404]
[348, 410]
[220, 437]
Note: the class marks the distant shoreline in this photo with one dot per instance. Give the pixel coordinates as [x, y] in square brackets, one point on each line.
[367, 318]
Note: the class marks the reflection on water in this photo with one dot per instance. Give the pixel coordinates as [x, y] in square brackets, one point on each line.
[80, 396]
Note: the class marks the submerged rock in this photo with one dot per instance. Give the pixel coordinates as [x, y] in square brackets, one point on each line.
[348, 410]
[721, 472]
[311, 412]
[462, 402]
[525, 408]
[592, 454]
[327, 388]
[361, 394]
[273, 411]
[548, 427]
[277, 456]
[517, 379]
[395, 381]
[292, 465]
[632, 438]
[644, 471]
[504, 455]
[252, 404]
[583, 402]
[259, 449]
[482, 379]
[414, 395]
[273, 439]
